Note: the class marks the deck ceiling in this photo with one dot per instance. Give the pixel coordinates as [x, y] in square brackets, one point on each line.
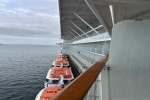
[98, 11]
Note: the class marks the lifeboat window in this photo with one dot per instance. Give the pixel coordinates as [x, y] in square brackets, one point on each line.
[46, 80]
[49, 91]
[55, 81]
[66, 82]
[50, 81]
[55, 91]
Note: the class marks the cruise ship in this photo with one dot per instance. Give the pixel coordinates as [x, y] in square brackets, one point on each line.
[92, 29]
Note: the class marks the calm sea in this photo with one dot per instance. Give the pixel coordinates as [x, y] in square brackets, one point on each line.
[23, 69]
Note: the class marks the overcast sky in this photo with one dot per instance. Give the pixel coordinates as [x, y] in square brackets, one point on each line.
[29, 22]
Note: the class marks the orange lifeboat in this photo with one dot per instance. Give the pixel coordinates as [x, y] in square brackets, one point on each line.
[54, 73]
[62, 56]
[60, 59]
[48, 93]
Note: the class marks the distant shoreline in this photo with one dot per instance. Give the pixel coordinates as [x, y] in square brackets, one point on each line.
[27, 45]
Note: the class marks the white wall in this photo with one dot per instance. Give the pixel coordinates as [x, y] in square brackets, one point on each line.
[129, 61]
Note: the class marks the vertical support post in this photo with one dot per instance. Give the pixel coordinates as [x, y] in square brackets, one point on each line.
[104, 83]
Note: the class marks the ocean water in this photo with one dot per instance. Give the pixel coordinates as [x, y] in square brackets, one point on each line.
[23, 69]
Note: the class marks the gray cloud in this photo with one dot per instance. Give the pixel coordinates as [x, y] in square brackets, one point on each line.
[30, 21]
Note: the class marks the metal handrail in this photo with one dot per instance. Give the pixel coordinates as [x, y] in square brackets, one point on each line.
[80, 86]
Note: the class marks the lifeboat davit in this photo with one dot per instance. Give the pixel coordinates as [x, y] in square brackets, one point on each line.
[53, 74]
[60, 59]
[49, 92]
